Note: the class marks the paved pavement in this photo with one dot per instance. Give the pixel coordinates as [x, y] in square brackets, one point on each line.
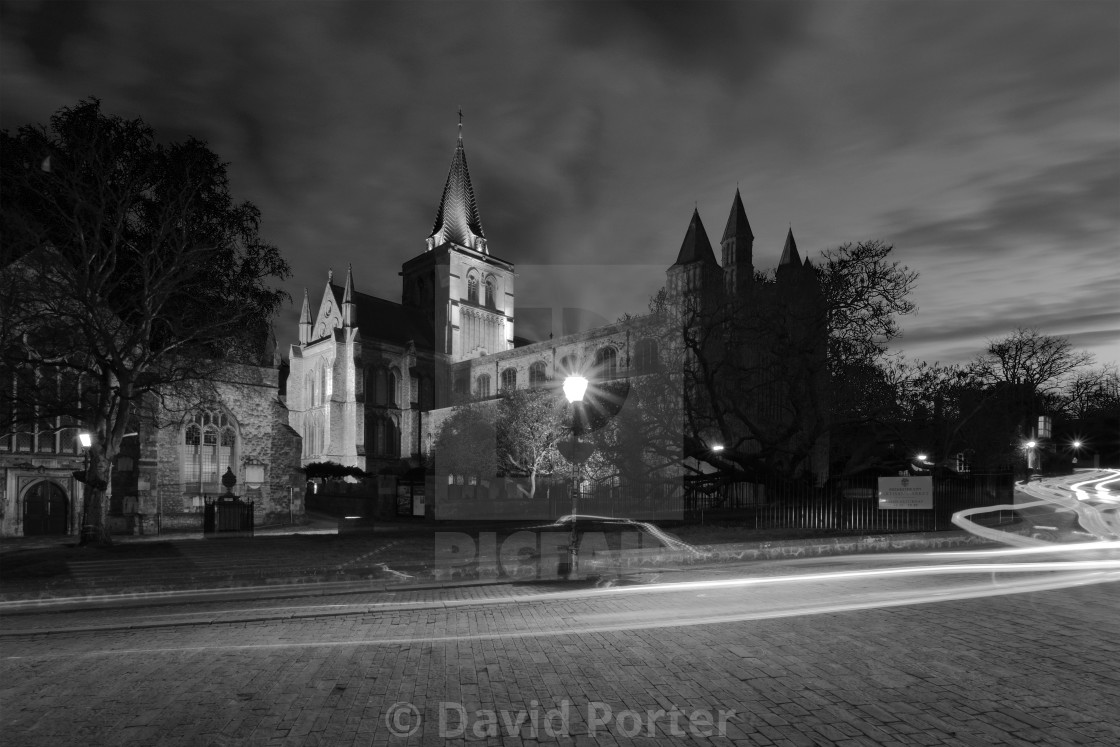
[952, 650]
[315, 559]
[589, 668]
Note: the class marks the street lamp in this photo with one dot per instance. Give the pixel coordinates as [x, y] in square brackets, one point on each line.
[574, 388]
[86, 440]
[1032, 457]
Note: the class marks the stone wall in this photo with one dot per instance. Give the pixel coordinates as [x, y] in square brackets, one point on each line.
[265, 442]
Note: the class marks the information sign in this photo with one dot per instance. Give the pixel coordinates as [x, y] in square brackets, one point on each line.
[906, 492]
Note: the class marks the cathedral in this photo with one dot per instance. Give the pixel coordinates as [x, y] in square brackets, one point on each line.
[371, 379]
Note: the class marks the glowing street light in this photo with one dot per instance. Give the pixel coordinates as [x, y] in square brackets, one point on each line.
[85, 439]
[717, 447]
[574, 389]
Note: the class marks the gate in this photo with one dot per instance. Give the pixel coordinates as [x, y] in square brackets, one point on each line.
[46, 509]
[227, 513]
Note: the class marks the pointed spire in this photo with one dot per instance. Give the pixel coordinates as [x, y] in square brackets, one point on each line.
[696, 246]
[349, 311]
[790, 257]
[305, 312]
[305, 320]
[737, 225]
[457, 218]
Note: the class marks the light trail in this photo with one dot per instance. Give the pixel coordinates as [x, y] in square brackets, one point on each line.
[628, 621]
[1103, 523]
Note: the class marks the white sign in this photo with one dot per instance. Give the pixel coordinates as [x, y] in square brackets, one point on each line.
[905, 492]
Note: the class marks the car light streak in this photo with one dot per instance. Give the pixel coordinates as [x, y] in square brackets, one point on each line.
[1103, 523]
[688, 613]
[921, 570]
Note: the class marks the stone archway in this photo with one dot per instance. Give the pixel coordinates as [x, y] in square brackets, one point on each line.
[46, 509]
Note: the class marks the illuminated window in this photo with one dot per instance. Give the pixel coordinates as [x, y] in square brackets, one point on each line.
[208, 449]
[509, 380]
[490, 293]
[472, 289]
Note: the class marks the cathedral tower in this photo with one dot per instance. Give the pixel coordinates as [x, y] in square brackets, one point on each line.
[464, 291]
[738, 250]
[694, 279]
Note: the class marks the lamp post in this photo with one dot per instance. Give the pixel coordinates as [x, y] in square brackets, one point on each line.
[86, 440]
[1032, 457]
[574, 388]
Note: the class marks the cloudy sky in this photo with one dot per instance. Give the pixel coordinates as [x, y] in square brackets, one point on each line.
[981, 139]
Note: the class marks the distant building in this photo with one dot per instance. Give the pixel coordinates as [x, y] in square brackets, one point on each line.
[371, 378]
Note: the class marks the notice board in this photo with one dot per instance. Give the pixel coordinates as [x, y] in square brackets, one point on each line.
[906, 492]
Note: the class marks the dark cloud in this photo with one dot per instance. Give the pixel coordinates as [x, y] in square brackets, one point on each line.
[1074, 203]
[977, 137]
[731, 40]
[47, 27]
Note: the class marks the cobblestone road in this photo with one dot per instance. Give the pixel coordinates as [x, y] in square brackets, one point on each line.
[1017, 669]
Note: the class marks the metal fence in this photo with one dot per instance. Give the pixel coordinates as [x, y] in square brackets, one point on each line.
[227, 514]
[848, 505]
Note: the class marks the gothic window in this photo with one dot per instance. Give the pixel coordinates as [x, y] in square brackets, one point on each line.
[538, 374]
[490, 293]
[394, 388]
[379, 383]
[386, 437]
[427, 393]
[509, 380]
[606, 363]
[645, 356]
[569, 365]
[482, 387]
[462, 382]
[208, 448]
[472, 289]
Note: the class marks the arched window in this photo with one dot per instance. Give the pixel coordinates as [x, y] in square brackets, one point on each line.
[482, 385]
[538, 374]
[472, 289]
[394, 388]
[386, 437]
[491, 299]
[462, 383]
[606, 363]
[509, 379]
[645, 356]
[208, 448]
[379, 386]
[427, 393]
[569, 365]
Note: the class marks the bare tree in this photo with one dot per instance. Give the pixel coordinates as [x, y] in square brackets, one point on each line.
[529, 423]
[130, 277]
[1027, 357]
